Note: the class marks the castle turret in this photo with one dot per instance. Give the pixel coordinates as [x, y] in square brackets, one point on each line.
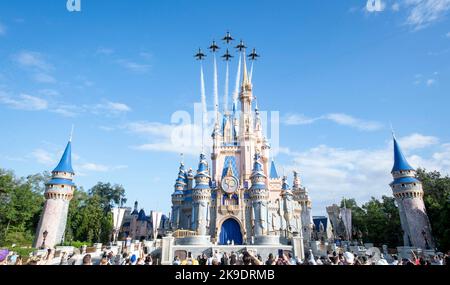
[201, 197]
[178, 197]
[259, 196]
[302, 197]
[408, 193]
[58, 193]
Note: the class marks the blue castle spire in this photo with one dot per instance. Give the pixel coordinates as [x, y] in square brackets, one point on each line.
[202, 177]
[65, 164]
[400, 162]
[273, 171]
[285, 185]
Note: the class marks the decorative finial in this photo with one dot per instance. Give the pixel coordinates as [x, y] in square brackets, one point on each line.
[392, 130]
[182, 157]
[71, 134]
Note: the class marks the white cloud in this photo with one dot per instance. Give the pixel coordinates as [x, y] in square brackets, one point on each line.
[36, 63]
[395, 7]
[2, 29]
[185, 138]
[108, 108]
[431, 82]
[448, 35]
[32, 59]
[24, 102]
[134, 66]
[425, 12]
[417, 141]
[43, 157]
[105, 51]
[375, 6]
[94, 167]
[346, 120]
[66, 110]
[43, 78]
[49, 92]
[332, 173]
[338, 118]
[298, 119]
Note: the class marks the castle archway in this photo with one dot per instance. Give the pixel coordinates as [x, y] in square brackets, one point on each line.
[230, 231]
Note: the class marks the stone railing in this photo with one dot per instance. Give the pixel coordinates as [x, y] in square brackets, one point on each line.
[183, 233]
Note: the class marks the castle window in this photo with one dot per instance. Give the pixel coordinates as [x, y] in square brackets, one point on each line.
[62, 186]
[403, 185]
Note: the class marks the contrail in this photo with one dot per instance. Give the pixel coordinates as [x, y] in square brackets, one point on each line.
[225, 96]
[204, 108]
[251, 72]
[238, 76]
[216, 90]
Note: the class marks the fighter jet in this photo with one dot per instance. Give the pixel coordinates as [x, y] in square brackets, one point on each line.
[227, 56]
[253, 55]
[214, 47]
[241, 46]
[200, 55]
[228, 38]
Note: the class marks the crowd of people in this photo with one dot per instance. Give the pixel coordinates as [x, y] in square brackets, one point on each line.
[220, 258]
[334, 258]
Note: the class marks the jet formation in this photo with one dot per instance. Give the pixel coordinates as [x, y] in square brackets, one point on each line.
[227, 39]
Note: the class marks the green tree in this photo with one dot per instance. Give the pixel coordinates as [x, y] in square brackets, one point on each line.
[90, 218]
[437, 202]
[21, 203]
[110, 195]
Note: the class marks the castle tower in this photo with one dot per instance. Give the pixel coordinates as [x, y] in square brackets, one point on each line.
[259, 196]
[247, 137]
[177, 197]
[58, 193]
[201, 198]
[291, 211]
[302, 197]
[408, 193]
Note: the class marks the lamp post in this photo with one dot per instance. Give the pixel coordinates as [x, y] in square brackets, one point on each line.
[44, 235]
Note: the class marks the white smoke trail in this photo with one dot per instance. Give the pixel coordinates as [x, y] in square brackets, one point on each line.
[225, 96]
[238, 77]
[251, 72]
[216, 90]
[204, 108]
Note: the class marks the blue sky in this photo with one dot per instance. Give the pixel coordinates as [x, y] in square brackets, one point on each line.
[338, 73]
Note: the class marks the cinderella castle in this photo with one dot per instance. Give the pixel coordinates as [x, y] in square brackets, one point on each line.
[235, 197]
[240, 198]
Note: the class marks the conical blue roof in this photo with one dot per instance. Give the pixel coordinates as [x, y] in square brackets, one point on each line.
[285, 185]
[65, 164]
[273, 171]
[400, 162]
[141, 215]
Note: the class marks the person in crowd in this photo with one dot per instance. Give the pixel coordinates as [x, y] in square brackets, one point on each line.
[249, 259]
[225, 259]
[291, 258]
[203, 259]
[149, 261]
[349, 258]
[270, 260]
[233, 258]
[87, 259]
[4, 256]
[189, 260]
[104, 261]
[64, 257]
[176, 261]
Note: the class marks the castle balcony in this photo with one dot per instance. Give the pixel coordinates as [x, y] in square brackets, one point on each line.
[183, 233]
[229, 209]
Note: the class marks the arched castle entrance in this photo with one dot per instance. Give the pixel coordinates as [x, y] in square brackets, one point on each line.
[230, 231]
